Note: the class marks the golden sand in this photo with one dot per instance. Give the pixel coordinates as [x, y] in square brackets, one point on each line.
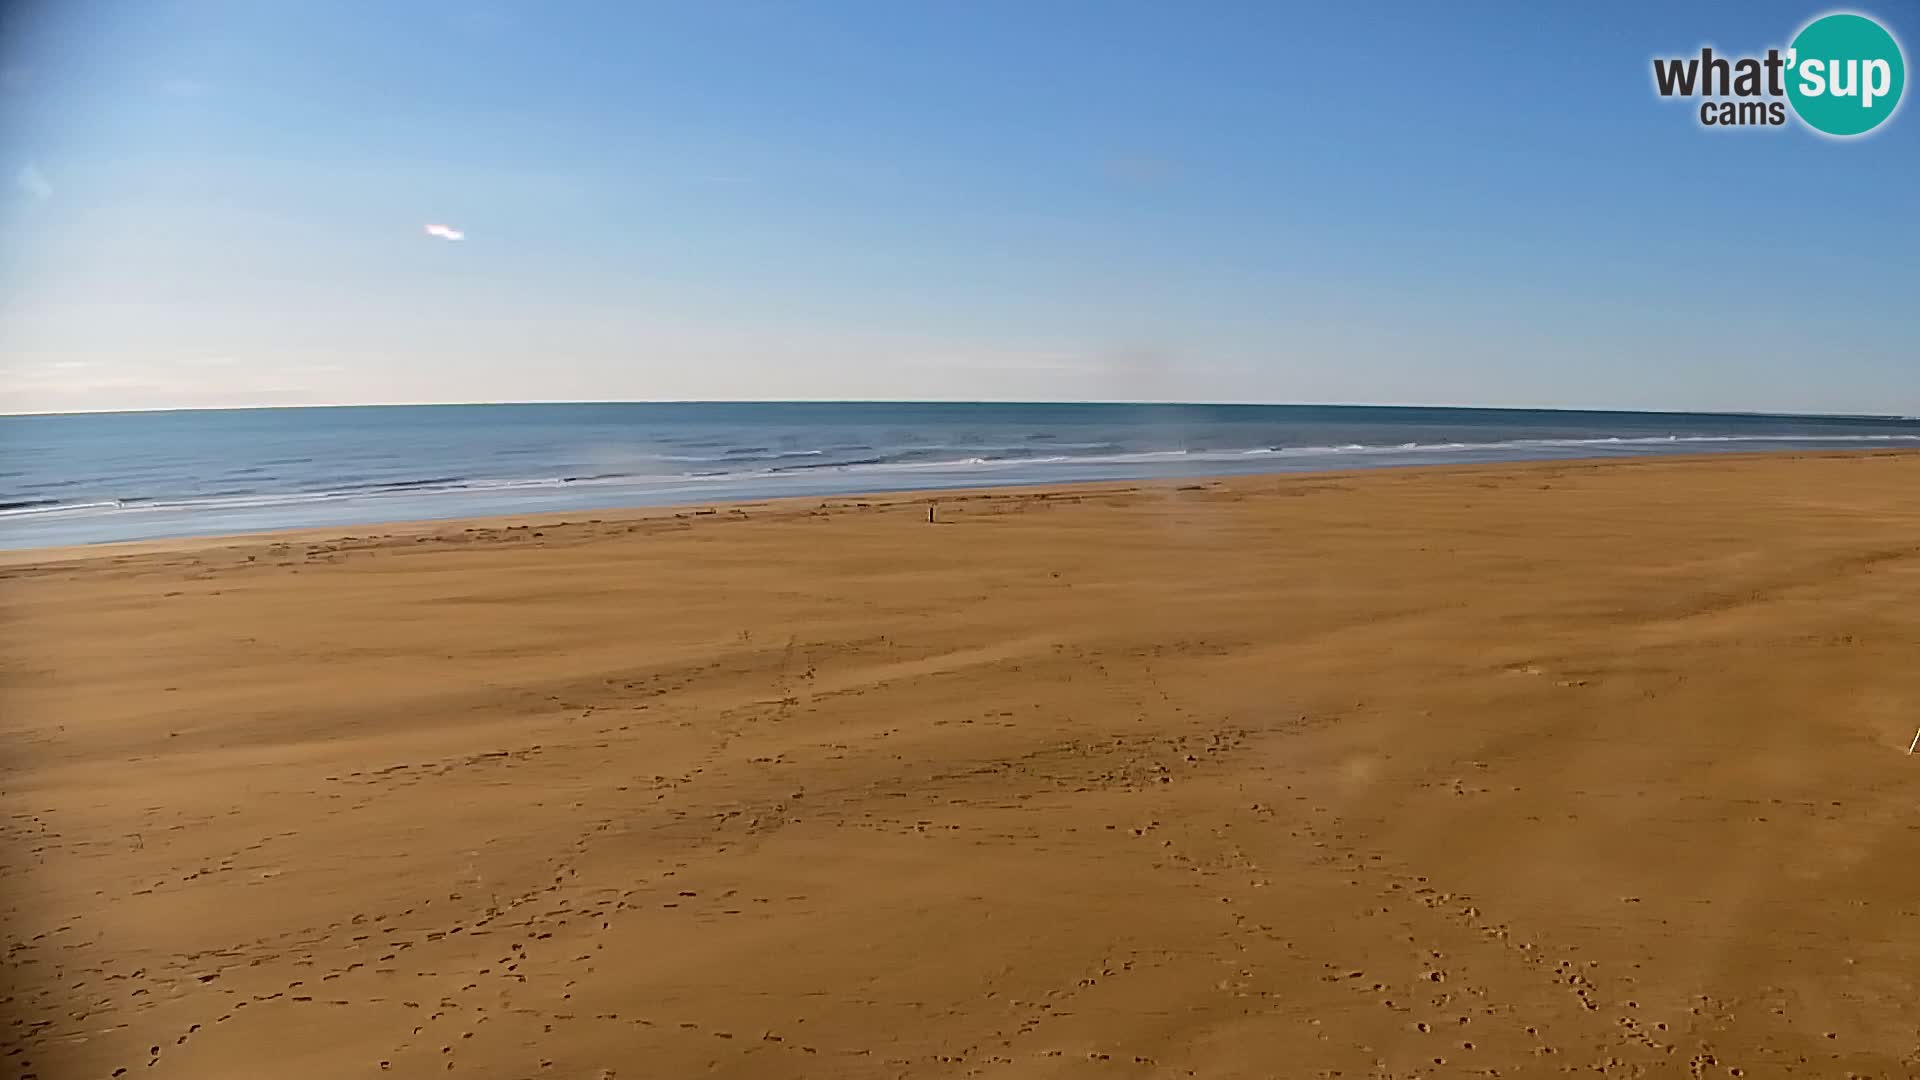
[1507, 770]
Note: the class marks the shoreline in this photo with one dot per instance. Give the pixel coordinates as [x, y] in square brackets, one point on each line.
[409, 528]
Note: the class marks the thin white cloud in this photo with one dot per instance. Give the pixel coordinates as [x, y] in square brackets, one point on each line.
[444, 232]
[34, 183]
[213, 381]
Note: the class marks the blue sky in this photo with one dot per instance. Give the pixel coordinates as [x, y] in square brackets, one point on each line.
[220, 202]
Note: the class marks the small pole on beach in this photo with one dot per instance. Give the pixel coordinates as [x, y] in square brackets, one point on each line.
[1914, 743]
[929, 513]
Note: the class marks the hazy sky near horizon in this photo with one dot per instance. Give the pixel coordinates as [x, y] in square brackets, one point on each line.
[222, 203]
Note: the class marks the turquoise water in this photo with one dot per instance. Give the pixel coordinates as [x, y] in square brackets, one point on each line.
[123, 476]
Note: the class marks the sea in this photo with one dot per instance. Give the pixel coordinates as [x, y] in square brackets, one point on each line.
[100, 477]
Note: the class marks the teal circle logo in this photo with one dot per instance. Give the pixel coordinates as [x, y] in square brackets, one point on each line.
[1845, 74]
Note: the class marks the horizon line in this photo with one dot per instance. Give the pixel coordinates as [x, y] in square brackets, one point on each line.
[950, 401]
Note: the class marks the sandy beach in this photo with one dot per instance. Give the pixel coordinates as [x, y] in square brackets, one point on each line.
[1509, 770]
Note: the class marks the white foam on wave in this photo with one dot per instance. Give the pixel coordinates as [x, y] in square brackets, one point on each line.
[60, 508]
[973, 463]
